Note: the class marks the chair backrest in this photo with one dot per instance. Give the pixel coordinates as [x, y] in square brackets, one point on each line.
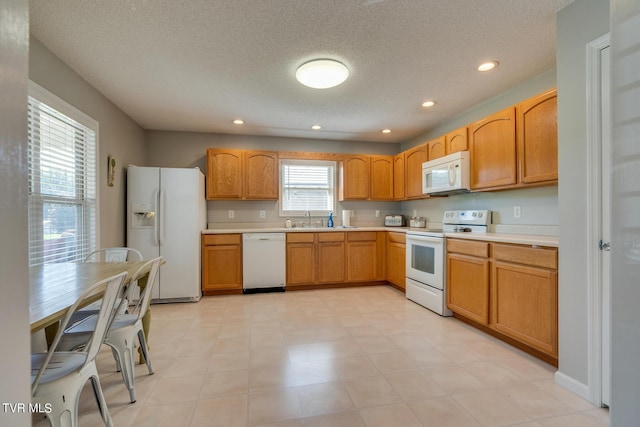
[110, 289]
[114, 255]
[144, 299]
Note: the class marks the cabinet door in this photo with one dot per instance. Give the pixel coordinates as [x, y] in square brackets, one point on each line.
[224, 174]
[365, 256]
[331, 262]
[301, 263]
[492, 144]
[414, 158]
[538, 138]
[396, 265]
[468, 287]
[398, 177]
[524, 305]
[261, 175]
[456, 140]
[354, 174]
[381, 177]
[436, 148]
[221, 267]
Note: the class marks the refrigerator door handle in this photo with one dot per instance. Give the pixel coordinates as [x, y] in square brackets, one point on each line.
[156, 236]
[160, 225]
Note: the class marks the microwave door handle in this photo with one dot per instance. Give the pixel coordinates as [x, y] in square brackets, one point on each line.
[452, 174]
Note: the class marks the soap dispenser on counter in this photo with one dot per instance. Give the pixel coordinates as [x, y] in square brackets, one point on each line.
[330, 220]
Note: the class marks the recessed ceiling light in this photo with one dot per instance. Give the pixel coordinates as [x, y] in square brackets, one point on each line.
[487, 66]
[386, 130]
[238, 122]
[316, 127]
[322, 73]
[428, 103]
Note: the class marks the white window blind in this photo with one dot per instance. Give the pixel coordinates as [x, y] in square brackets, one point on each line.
[307, 185]
[62, 185]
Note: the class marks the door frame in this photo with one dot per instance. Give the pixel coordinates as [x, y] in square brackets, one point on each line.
[594, 218]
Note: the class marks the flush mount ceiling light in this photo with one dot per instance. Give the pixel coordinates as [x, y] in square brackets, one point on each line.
[428, 104]
[316, 127]
[238, 122]
[322, 73]
[487, 66]
[386, 130]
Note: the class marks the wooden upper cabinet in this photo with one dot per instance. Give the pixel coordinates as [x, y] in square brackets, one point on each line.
[240, 174]
[398, 177]
[537, 120]
[456, 140]
[436, 148]
[382, 177]
[413, 160]
[492, 146]
[355, 171]
[224, 174]
[261, 175]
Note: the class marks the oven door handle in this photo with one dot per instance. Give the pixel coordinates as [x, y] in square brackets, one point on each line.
[425, 239]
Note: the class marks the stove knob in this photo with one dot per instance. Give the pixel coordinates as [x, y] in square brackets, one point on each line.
[479, 214]
[475, 214]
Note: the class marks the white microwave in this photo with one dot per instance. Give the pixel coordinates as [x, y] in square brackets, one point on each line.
[447, 175]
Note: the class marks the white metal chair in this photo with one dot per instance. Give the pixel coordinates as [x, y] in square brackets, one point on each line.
[57, 377]
[124, 330]
[119, 254]
[116, 254]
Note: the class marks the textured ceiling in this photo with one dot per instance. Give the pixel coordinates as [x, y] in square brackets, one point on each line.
[196, 65]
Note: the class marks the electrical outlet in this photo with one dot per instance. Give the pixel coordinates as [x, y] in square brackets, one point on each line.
[263, 214]
[232, 213]
[516, 212]
[377, 213]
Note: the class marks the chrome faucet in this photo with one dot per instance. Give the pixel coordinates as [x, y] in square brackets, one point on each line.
[308, 213]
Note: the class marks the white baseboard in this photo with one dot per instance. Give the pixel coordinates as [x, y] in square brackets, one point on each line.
[572, 385]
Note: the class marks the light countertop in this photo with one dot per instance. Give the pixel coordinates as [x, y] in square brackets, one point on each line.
[522, 239]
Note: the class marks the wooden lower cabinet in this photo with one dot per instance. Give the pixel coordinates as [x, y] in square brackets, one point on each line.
[524, 303]
[511, 290]
[330, 258]
[468, 286]
[301, 258]
[396, 259]
[221, 263]
[365, 256]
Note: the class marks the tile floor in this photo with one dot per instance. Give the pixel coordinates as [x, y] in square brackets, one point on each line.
[343, 357]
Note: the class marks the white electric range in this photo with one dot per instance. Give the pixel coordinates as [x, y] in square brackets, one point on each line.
[426, 264]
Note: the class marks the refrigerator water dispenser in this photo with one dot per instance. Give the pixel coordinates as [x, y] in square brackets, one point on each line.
[143, 216]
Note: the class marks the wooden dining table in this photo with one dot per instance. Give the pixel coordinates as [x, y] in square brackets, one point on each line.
[53, 288]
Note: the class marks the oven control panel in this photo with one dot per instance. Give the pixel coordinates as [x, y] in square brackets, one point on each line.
[469, 217]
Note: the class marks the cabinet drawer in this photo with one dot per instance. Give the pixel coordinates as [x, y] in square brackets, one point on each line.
[397, 237]
[540, 257]
[468, 247]
[331, 237]
[299, 237]
[361, 236]
[221, 239]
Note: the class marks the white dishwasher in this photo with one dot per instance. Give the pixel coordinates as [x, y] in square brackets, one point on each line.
[264, 267]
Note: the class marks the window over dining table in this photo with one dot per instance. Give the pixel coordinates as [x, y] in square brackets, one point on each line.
[62, 200]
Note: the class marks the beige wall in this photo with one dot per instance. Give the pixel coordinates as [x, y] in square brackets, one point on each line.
[578, 24]
[119, 136]
[14, 317]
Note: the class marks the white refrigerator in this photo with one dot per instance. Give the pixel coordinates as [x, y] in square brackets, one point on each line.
[166, 211]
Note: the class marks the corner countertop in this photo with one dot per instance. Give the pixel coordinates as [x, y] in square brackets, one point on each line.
[521, 239]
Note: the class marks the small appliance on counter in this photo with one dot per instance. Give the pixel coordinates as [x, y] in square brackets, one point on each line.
[346, 217]
[394, 221]
[418, 222]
